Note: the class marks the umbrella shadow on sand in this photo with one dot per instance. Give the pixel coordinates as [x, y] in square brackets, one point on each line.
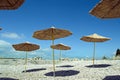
[115, 77]
[63, 73]
[68, 66]
[6, 78]
[98, 66]
[34, 70]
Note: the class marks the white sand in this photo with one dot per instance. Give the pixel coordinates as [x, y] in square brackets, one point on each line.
[13, 69]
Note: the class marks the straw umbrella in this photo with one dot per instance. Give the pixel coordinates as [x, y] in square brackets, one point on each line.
[25, 47]
[51, 34]
[107, 9]
[94, 38]
[10, 4]
[60, 47]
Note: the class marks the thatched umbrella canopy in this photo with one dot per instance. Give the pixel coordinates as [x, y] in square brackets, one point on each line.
[10, 4]
[94, 38]
[51, 34]
[27, 47]
[107, 9]
[60, 47]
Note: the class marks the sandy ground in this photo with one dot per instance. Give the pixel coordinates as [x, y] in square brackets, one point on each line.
[65, 70]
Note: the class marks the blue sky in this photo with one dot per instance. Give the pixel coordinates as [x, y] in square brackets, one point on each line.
[73, 15]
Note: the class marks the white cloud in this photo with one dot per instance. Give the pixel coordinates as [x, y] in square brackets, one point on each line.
[114, 52]
[6, 50]
[46, 49]
[4, 46]
[2, 43]
[11, 35]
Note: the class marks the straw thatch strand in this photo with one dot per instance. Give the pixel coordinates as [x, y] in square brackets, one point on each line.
[10, 4]
[107, 9]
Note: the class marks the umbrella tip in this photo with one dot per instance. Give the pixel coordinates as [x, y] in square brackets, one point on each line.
[94, 33]
[27, 42]
[53, 27]
[62, 43]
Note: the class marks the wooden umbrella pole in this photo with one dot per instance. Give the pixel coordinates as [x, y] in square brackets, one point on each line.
[26, 62]
[94, 53]
[53, 56]
[60, 56]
